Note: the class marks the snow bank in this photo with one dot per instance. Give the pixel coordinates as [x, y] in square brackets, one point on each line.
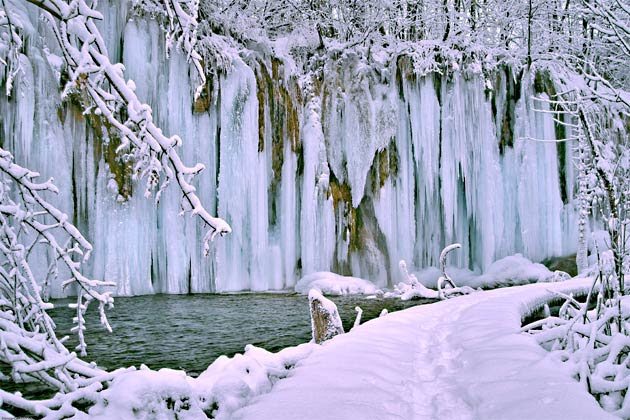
[513, 270]
[334, 284]
[461, 358]
[227, 384]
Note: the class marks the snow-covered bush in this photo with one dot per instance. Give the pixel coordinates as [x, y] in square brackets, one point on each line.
[592, 339]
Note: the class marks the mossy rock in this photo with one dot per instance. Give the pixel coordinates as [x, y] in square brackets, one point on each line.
[566, 264]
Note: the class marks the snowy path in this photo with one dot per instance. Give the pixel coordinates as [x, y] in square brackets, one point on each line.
[460, 359]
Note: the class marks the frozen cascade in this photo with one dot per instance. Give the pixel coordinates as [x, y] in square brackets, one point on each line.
[351, 174]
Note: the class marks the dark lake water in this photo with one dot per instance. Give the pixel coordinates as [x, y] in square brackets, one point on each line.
[190, 331]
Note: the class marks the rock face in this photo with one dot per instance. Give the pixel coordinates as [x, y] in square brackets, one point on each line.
[566, 264]
[325, 320]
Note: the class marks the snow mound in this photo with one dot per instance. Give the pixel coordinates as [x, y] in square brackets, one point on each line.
[513, 270]
[227, 385]
[333, 284]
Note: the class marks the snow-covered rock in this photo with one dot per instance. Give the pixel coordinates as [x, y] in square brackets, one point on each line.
[334, 284]
[325, 319]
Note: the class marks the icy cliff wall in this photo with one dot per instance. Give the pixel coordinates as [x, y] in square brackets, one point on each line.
[348, 171]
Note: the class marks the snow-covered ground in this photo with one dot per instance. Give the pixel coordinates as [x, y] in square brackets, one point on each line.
[462, 358]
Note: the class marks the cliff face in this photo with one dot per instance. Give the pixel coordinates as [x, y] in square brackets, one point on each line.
[350, 171]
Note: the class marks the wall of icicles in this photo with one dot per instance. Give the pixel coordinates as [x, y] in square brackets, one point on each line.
[352, 173]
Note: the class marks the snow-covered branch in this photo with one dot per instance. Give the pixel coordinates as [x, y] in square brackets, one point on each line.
[30, 217]
[446, 288]
[29, 346]
[10, 46]
[154, 155]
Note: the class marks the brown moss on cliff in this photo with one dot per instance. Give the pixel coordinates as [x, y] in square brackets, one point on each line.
[106, 141]
[204, 101]
[277, 106]
[384, 166]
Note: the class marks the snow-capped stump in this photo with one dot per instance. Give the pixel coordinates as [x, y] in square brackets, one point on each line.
[325, 320]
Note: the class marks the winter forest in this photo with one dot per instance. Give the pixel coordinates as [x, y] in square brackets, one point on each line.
[315, 209]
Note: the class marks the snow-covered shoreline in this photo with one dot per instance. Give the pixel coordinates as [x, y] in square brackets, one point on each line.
[462, 358]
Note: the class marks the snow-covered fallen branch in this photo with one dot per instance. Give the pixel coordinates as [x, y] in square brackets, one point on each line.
[592, 338]
[446, 288]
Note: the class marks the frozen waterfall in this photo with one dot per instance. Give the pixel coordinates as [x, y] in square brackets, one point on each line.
[349, 175]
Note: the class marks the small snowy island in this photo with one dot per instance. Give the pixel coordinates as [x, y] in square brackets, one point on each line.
[297, 209]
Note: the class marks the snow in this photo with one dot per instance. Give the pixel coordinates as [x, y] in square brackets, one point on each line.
[451, 181]
[509, 271]
[463, 358]
[512, 270]
[334, 284]
[227, 384]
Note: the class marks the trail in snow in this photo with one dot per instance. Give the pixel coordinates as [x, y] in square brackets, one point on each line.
[464, 358]
[434, 385]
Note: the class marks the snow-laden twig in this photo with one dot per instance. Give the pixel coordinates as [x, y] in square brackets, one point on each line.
[445, 285]
[31, 218]
[180, 30]
[28, 343]
[10, 51]
[357, 320]
[154, 154]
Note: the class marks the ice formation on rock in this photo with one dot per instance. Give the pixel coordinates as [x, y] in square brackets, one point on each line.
[349, 177]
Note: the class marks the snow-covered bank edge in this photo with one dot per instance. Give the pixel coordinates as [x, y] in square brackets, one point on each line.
[460, 358]
[468, 349]
[513, 270]
[229, 383]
